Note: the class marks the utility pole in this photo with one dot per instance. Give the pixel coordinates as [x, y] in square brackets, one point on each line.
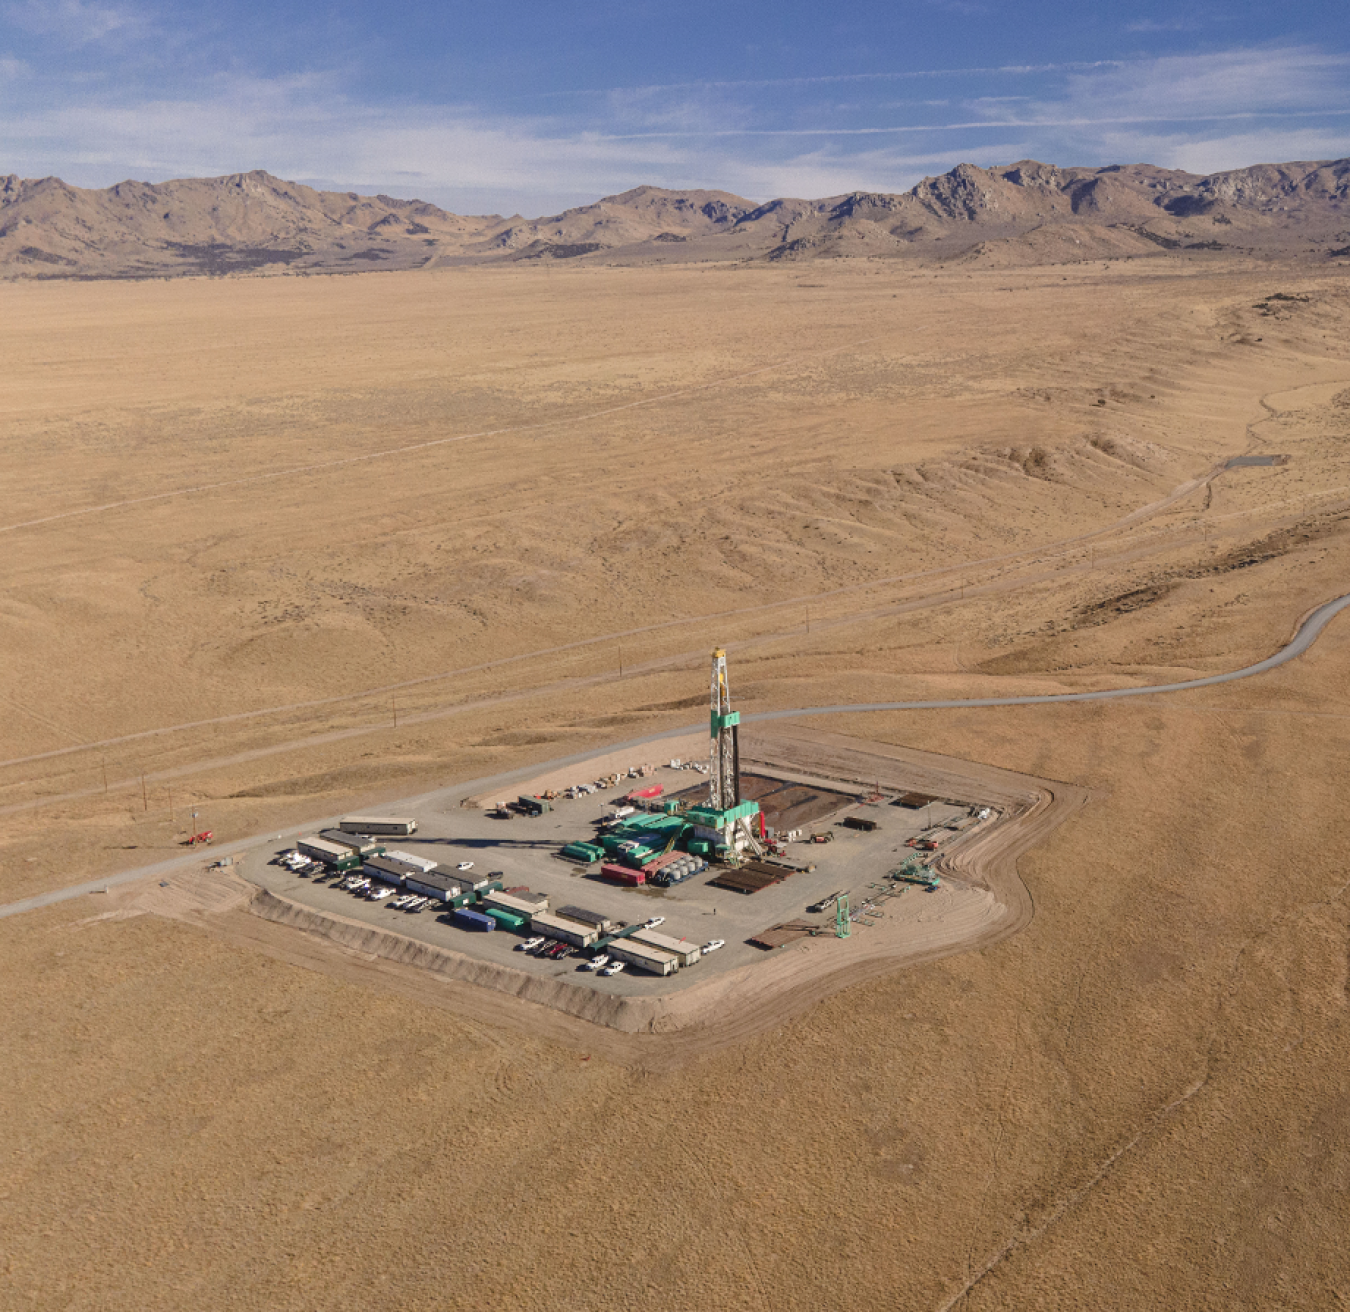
[394, 699]
[145, 797]
[621, 660]
[808, 619]
[171, 819]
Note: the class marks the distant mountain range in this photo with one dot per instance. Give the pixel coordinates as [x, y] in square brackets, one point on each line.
[1025, 213]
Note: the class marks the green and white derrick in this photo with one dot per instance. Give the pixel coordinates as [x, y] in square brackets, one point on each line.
[726, 818]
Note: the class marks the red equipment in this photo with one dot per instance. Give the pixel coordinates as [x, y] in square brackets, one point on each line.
[204, 837]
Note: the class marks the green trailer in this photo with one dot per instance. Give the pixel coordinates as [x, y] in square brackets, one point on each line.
[587, 853]
[508, 919]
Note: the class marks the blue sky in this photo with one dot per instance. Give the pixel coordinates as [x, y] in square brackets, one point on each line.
[530, 107]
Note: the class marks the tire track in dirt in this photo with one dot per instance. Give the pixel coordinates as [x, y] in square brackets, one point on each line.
[1031, 555]
[412, 447]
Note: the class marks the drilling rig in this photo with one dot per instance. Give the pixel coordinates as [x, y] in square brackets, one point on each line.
[726, 817]
[724, 780]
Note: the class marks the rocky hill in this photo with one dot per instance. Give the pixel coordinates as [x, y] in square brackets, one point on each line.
[244, 222]
[1024, 213]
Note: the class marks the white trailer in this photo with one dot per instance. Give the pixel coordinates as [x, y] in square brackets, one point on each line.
[519, 906]
[438, 886]
[642, 957]
[567, 931]
[420, 862]
[685, 952]
[378, 824]
[331, 854]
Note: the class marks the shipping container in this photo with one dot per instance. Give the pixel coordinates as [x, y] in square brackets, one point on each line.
[568, 931]
[583, 852]
[467, 919]
[622, 874]
[377, 824]
[642, 956]
[508, 919]
[685, 952]
[331, 854]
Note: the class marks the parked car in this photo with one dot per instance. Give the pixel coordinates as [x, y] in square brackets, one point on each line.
[714, 945]
[530, 944]
[465, 865]
[654, 922]
[614, 968]
[379, 894]
[596, 962]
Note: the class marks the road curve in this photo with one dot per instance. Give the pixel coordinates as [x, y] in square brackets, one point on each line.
[1308, 632]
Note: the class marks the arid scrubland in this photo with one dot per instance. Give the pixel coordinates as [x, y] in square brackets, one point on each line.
[249, 521]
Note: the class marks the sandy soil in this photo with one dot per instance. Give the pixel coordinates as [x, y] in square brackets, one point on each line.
[1139, 1100]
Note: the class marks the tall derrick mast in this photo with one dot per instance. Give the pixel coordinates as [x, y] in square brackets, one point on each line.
[724, 782]
[726, 818]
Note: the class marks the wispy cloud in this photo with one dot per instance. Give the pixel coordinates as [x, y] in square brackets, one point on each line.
[1206, 112]
[834, 79]
[1162, 25]
[1224, 82]
[74, 22]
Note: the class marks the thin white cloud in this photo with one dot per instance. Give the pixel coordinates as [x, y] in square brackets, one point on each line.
[1220, 152]
[1225, 82]
[1049, 121]
[1186, 113]
[1162, 25]
[828, 79]
[75, 22]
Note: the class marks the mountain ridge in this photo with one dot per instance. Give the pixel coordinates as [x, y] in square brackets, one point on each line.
[1025, 212]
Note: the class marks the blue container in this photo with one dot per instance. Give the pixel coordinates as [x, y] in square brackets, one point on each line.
[467, 919]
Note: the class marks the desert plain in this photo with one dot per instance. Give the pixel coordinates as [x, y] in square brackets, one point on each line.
[277, 547]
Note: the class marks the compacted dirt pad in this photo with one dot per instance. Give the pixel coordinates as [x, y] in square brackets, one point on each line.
[982, 901]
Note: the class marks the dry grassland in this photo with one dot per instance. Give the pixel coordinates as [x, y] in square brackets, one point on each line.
[463, 490]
